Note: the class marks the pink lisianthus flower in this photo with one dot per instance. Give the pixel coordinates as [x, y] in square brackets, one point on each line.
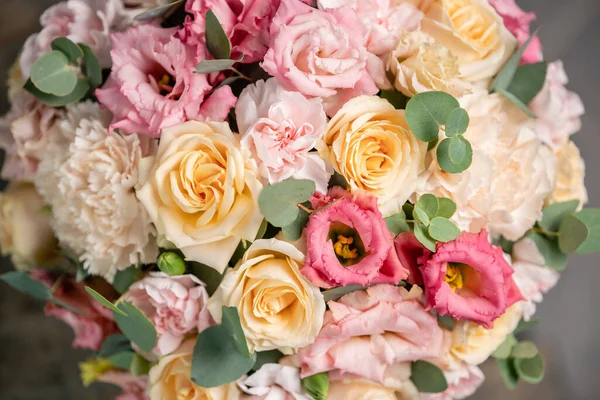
[134, 387]
[153, 85]
[176, 305]
[92, 323]
[319, 54]
[349, 242]
[468, 278]
[368, 333]
[463, 382]
[280, 128]
[518, 23]
[409, 251]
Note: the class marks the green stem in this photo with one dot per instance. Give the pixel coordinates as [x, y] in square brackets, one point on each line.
[545, 232]
[245, 77]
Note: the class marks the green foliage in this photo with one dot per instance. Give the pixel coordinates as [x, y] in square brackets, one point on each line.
[397, 223]
[25, 284]
[397, 99]
[429, 205]
[526, 325]
[171, 263]
[139, 366]
[446, 322]
[504, 350]
[68, 48]
[517, 102]
[294, 230]
[422, 236]
[572, 234]
[508, 373]
[454, 154]
[103, 301]
[317, 386]
[531, 370]
[279, 203]
[443, 230]
[158, 12]
[136, 326]
[427, 377]
[591, 218]
[210, 276]
[506, 75]
[125, 278]
[209, 66]
[555, 213]
[525, 349]
[457, 123]
[427, 112]
[421, 216]
[114, 344]
[216, 39]
[91, 66]
[266, 357]
[122, 360]
[336, 293]
[231, 323]
[52, 73]
[548, 247]
[447, 207]
[81, 90]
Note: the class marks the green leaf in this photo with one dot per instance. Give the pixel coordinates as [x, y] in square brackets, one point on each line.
[21, 281]
[427, 112]
[262, 230]
[548, 247]
[526, 325]
[81, 89]
[278, 203]
[555, 213]
[335, 293]
[507, 245]
[503, 351]
[430, 204]
[216, 360]
[114, 344]
[528, 81]
[408, 210]
[443, 230]
[515, 100]
[216, 39]
[423, 236]
[427, 377]
[447, 207]
[122, 360]
[445, 322]
[454, 154]
[338, 179]
[591, 217]
[103, 301]
[457, 123]
[209, 66]
[68, 48]
[157, 12]
[125, 278]
[431, 145]
[81, 274]
[421, 215]
[397, 223]
[508, 373]
[266, 357]
[91, 67]
[531, 370]
[139, 366]
[506, 75]
[136, 326]
[317, 386]
[572, 234]
[52, 74]
[171, 263]
[524, 349]
[210, 276]
[294, 230]
[397, 99]
[231, 322]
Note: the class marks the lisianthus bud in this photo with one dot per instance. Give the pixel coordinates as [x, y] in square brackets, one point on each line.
[171, 263]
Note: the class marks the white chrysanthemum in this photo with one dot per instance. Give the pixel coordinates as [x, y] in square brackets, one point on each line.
[89, 180]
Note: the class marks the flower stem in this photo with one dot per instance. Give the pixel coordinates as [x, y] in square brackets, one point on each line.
[302, 207]
[545, 232]
[245, 77]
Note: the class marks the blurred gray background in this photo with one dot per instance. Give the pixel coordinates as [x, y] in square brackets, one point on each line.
[36, 359]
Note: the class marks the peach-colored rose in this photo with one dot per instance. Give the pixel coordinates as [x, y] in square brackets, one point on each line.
[570, 184]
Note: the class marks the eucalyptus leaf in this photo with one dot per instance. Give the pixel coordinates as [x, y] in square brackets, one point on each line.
[526, 325]
[427, 377]
[423, 236]
[421, 215]
[267, 357]
[429, 204]
[114, 344]
[548, 247]
[279, 203]
[397, 99]
[136, 326]
[294, 230]
[503, 351]
[157, 12]
[524, 349]
[427, 112]
[397, 223]
[210, 276]
[443, 230]
[445, 322]
[231, 322]
[517, 102]
[122, 360]
[531, 370]
[53, 74]
[457, 123]
[216, 39]
[317, 386]
[528, 81]
[572, 234]
[22, 282]
[262, 230]
[506, 75]
[507, 372]
[447, 207]
[68, 48]
[104, 302]
[81, 89]
[335, 293]
[591, 217]
[139, 366]
[210, 66]
[91, 66]
[455, 154]
[554, 214]
[125, 278]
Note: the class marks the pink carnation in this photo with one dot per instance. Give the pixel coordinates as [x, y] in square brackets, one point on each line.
[349, 242]
[153, 85]
[134, 387]
[469, 278]
[175, 304]
[518, 23]
[92, 323]
[367, 332]
[319, 54]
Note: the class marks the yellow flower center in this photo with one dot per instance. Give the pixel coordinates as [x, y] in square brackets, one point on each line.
[165, 84]
[94, 368]
[454, 277]
[344, 248]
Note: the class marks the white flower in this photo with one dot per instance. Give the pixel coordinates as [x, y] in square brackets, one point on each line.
[89, 185]
[275, 382]
[570, 184]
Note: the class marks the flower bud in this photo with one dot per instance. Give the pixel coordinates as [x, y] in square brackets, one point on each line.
[171, 263]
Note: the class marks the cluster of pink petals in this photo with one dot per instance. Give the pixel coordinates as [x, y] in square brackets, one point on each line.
[92, 323]
[176, 305]
[489, 288]
[142, 57]
[359, 212]
[367, 332]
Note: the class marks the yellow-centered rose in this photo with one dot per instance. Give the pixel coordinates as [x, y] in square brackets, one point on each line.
[170, 379]
[278, 307]
[369, 142]
[201, 191]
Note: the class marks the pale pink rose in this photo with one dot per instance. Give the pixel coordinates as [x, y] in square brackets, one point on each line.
[134, 387]
[274, 382]
[245, 22]
[558, 110]
[468, 278]
[518, 23]
[462, 383]
[319, 54]
[368, 332]
[83, 21]
[176, 305]
[92, 323]
[349, 242]
[153, 85]
[280, 128]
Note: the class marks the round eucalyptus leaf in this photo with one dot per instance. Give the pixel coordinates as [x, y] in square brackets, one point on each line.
[427, 377]
[53, 74]
[572, 234]
[443, 230]
[531, 370]
[525, 349]
[429, 204]
[68, 48]
[457, 123]
[447, 207]
[455, 154]
[279, 203]
[427, 112]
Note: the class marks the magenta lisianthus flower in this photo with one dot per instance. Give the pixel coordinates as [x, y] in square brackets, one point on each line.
[468, 278]
[349, 242]
[153, 85]
[409, 251]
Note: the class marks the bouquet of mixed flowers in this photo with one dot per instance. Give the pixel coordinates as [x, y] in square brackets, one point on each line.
[286, 199]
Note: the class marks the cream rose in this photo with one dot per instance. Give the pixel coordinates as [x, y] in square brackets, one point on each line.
[170, 379]
[570, 176]
[25, 232]
[369, 142]
[278, 307]
[201, 191]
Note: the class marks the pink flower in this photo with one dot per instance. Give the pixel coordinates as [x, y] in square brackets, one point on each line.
[469, 278]
[153, 85]
[518, 23]
[409, 251]
[463, 382]
[92, 323]
[134, 387]
[366, 333]
[280, 128]
[349, 242]
[274, 382]
[319, 54]
[175, 304]
[246, 23]
[558, 110]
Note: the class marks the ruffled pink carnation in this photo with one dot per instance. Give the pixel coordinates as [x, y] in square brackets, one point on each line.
[365, 333]
[319, 54]
[349, 242]
[92, 323]
[468, 278]
[518, 23]
[175, 304]
[153, 85]
[134, 387]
